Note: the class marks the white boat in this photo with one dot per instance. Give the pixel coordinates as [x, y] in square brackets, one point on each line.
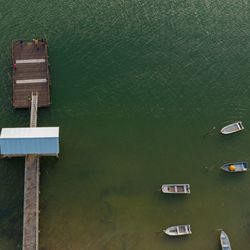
[178, 230]
[175, 188]
[224, 241]
[235, 167]
[232, 128]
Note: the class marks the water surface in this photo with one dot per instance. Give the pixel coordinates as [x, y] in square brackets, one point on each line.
[136, 86]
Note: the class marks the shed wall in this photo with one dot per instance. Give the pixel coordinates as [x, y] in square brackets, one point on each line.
[17, 146]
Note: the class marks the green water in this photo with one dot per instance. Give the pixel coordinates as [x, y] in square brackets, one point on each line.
[136, 86]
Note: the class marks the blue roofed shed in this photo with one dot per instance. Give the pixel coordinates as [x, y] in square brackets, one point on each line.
[23, 141]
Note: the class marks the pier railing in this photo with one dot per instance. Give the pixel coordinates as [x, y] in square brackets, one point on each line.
[33, 111]
[31, 190]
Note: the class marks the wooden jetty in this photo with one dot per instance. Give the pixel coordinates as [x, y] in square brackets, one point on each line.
[31, 89]
[30, 72]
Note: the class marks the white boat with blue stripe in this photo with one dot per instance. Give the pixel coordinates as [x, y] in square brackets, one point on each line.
[235, 167]
[224, 241]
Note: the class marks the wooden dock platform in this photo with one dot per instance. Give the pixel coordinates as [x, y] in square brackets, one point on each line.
[30, 73]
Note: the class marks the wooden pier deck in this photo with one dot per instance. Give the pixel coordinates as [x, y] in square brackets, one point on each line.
[30, 73]
[31, 191]
[31, 203]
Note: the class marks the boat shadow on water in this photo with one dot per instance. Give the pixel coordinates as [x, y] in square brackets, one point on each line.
[211, 131]
[172, 239]
[232, 181]
[172, 199]
[233, 138]
[232, 177]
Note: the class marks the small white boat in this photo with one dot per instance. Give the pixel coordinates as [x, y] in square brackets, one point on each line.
[235, 167]
[232, 128]
[178, 230]
[176, 188]
[224, 241]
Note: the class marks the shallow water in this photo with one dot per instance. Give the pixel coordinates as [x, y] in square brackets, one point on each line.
[137, 87]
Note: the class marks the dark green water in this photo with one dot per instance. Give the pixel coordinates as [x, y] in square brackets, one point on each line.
[136, 85]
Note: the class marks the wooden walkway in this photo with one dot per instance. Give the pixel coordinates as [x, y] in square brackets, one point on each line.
[31, 203]
[33, 111]
[31, 191]
[30, 73]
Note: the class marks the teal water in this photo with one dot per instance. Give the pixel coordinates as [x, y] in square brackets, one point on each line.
[136, 86]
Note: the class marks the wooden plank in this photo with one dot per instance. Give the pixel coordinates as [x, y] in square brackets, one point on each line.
[31, 61]
[31, 81]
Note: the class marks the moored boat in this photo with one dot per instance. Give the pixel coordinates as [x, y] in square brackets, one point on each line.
[232, 128]
[235, 167]
[224, 241]
[176, 188]
[178, 230]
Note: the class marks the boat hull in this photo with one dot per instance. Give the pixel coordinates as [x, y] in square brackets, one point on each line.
[232, 128]
[224, 241]
[235, 167]
[178, 230]
[175, 188]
